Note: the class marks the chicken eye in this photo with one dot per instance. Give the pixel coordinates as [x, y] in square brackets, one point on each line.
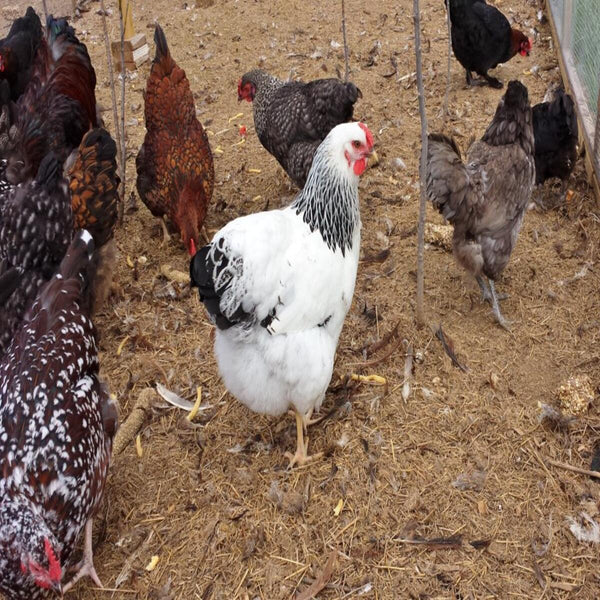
[356, 144]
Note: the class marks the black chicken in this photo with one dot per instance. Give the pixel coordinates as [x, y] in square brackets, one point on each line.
[482, 38]
[58, 422]
[18, 50]
[486, 196]
[556, 136]
[36, 227]
[292, 118]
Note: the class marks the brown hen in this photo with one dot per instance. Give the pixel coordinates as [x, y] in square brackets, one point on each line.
[175, 174]
[94, 187]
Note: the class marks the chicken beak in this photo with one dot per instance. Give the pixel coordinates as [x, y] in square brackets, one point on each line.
[373, 158]
[57, 589]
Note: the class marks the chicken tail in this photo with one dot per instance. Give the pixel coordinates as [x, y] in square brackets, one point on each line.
[49, 172]
[162, 56]
[446, 175]
[513, 121]
[564, 111]
[94, 184]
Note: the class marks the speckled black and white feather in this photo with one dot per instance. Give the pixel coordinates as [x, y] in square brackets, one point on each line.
[278, 285]
[56, 427]
[292, 118]
[36, 226]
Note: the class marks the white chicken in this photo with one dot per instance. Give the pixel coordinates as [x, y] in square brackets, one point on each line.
[278, 285]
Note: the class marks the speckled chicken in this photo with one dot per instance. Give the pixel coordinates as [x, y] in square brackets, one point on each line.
[58, 423]
[175, 173]
[94, 188]
[292, 118]
[486, 196]
[36, 227]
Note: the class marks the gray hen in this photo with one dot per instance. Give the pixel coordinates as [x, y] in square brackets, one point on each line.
[485, 198]
[292, 118]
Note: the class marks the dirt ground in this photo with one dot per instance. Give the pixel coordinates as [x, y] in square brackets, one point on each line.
[464, 457]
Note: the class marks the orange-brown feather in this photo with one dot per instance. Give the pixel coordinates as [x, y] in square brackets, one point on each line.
[175, 164]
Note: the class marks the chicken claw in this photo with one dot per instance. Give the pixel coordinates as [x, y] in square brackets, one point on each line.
[86, 566]
[166, 235]
[301, 456]
[496, 308]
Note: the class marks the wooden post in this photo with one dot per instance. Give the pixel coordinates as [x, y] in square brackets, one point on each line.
[127, 18]
[135, 48]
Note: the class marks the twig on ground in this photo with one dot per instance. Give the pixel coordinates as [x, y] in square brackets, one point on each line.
[572, 468]
[408, 365]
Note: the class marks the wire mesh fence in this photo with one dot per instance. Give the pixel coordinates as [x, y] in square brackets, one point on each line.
[577, 25]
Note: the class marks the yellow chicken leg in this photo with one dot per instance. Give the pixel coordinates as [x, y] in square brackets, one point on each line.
[301, 457]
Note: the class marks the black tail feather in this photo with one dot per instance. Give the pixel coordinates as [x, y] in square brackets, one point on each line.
[162, 48]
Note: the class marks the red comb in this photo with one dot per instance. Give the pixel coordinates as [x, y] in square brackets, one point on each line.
[370, 139]
[192, 248]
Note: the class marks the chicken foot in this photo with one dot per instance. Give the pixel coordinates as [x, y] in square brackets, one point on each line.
[166, 234]
[486, 296]
[86, 566]
[496, 308]
[301, 457]
[491, 81]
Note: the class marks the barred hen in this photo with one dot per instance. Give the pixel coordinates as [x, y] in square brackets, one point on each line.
[486, 196]
[18, 50]
[482, 38]
[36, 227]
[292, 118]
[58, 423]
[278, 285]
[94, 187]
[556, 136]
[175, 173]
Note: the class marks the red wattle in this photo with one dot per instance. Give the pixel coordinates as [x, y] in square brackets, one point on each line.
[359, 166]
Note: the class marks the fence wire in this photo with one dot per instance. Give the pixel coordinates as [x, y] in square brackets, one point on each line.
[579, 33]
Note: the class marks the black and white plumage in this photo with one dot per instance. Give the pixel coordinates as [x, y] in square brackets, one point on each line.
[57, 422]
[36, 227]
[292, 117]
[278, 285]
[485, 197]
